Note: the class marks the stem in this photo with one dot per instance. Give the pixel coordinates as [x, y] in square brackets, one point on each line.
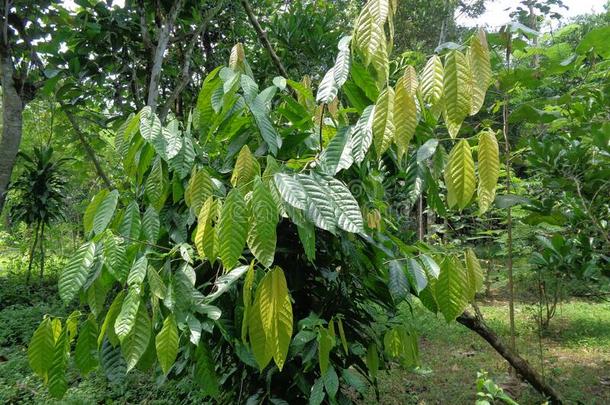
[509, 221]
[41, 252]
[29, 273]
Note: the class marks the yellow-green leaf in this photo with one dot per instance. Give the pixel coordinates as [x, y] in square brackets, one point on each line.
[456, 88]
[431, 81]
[245, 170]
[405, 112]
[459, 175]
[480, 69]
[166, 343]
[383, 121]
[204, 235]
[488, 169]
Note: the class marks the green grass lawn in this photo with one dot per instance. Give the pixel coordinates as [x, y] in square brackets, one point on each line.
[576, 351]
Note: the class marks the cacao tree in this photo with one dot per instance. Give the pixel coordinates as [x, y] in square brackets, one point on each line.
[252, 247]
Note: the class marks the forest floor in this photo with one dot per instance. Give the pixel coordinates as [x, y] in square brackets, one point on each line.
[576, 353]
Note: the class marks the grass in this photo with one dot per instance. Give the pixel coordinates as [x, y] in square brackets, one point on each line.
[576, 352]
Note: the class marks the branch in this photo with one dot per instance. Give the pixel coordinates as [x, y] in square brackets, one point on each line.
[88, 149]
[185, 76]
[262, 36]
[477, 325]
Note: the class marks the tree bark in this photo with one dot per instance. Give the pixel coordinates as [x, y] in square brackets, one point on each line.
[155, 74]
[12, 122]
[185, 74]
[519, 363]
[262, 36]
[88, 149]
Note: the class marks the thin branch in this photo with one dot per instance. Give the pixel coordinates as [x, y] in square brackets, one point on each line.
[262, 36]
[88, 149]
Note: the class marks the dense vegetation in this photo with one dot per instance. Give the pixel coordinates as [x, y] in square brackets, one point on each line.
[278, 212]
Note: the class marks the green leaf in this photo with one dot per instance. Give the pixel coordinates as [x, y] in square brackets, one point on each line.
[405, 111]
[488, 169]
[272, 303]
[137, 272]
[151, 225]
[342, 335]
[110, 319]
[75, 274]
[247, 301]
[245, 170]
[198, 190]
[316, 396]
[383, 121]
[85, 354]
[134, 345]
[224, 282]
[156, 284]
[260, 113]
[338, 154]
[318, 207]
[418, 274]
[204, 234]
[325, 345]
[126, 318]
[105, 211]
[431, 81]
[327, 91]
[263, 222]
[475, 273]
[362, 134]
[232, 229]
[372, 360]
[205, 375]
[58, 385]
[354, 379]
[398, 284]
[91, 210]
[167, 343]
[40, 349]
[480, 70]
[115, 257]
[155, 185]
[459, 175]
[452, 288]
[131, 225]
[331, 382]
[346, 210]
[456, 89]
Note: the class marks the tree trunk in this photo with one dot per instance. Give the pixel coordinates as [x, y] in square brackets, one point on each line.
[32, 250]
[41, 252]
[509, 217]
[12, 123]
[162, 41]
[519, 363]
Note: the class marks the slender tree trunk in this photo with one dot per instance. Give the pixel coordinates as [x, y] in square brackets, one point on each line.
[12, 122]
[41, 252]
[88, 149]
[185, 74]
[477, 325]
[162, 41]
[509, 219]
[420, 218]
[32, 250]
